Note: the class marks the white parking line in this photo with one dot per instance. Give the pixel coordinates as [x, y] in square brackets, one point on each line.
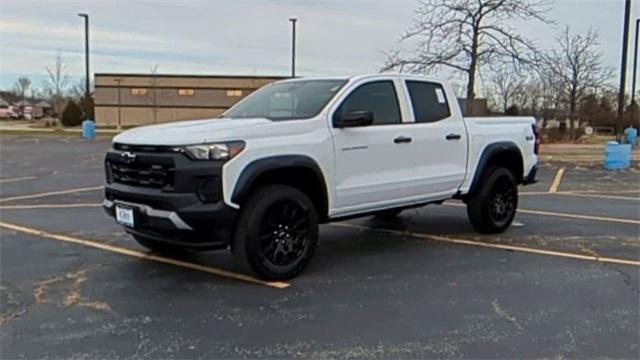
[49, 206]
[7, 180]
[59, 192]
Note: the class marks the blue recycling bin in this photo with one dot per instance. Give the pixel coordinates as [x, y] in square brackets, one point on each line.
[617, 156]
[88, 129]
[631, 135]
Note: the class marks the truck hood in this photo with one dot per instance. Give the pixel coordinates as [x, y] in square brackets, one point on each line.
[190, 132]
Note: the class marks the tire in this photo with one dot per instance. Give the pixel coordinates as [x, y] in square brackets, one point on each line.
[492, 208]
[388, 215]
[277, 232]
[158, 246]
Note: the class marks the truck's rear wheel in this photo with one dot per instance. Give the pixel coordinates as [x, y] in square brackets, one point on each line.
[492, 208]
[277, 232]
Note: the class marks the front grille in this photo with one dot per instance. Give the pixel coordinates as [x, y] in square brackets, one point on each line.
[143, 148]
[141, 174]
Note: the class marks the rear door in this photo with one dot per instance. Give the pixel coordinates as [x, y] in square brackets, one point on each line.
[440, 139]
[372, 163]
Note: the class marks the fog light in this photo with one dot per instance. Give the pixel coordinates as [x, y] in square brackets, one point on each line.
[208, 191]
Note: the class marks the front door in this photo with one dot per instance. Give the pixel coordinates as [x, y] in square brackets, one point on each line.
[372, 162]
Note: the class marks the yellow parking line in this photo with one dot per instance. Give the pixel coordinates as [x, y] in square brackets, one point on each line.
[597, 196]
[603, 191]
[2, 181]
[143, 255]
[578, 216]
[48, 206]
[496, 246]
[577, 194]
[583, 192]
[59, 192]
[568, 215]
[556, 181]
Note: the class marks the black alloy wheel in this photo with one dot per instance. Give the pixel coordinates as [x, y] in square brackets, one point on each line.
[492, 207]
[284, 232]
[503, 200]
[277, 232]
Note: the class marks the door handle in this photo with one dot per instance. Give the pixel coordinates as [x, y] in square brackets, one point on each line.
[454, 136]
[402, 140]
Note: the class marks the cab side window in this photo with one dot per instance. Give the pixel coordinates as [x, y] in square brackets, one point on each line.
[429, 101]
[379, 97]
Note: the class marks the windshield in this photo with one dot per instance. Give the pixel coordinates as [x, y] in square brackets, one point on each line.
[287, 100]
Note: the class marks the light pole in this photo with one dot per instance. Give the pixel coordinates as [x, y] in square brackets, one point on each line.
[634, 79]
[623, 68]
[86, 59]
[293, 46]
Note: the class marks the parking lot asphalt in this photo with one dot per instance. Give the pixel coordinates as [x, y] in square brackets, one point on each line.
[562, 282]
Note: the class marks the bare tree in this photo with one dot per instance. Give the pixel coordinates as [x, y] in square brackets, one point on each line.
[577, 64]
[463, 35]
[526, 97]
[504, 84]
[21, 87]
[77, 90]
[77, 93]
[549, 94]
[57, 82]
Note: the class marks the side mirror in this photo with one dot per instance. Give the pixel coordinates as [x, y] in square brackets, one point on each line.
[353, 119]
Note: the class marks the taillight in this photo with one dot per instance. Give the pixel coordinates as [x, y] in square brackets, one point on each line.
[536, 146]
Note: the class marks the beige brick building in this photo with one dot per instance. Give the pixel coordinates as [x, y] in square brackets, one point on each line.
[140, 99]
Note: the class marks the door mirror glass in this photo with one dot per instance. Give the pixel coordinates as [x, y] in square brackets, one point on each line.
[354, 119]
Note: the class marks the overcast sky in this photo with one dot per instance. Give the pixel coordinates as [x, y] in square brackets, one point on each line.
[242, 36]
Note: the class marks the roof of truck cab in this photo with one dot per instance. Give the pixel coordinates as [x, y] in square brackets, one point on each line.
[364, 77]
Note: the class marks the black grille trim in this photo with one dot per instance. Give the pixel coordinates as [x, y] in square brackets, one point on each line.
[142, 173]
[144, 148]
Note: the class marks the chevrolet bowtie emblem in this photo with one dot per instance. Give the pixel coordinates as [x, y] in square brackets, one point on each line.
[128, 157]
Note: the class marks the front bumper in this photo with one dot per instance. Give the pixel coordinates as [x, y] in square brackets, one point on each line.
[168, 203]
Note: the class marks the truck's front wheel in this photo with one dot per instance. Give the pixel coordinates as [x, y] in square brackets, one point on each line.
[492, 208]
[277, 232]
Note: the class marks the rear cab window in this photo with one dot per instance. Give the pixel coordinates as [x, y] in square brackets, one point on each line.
[428, 100]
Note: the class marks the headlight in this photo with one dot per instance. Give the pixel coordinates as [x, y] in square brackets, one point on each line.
[217, 151]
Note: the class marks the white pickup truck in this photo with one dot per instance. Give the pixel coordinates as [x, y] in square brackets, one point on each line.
[301, 152]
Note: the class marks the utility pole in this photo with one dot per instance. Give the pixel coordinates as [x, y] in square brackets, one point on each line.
[119, 125]
[623, 68]
[87, 92]
[634, 79]
[293, 46]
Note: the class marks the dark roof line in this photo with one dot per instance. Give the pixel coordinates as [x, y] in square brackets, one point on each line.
[193, 76]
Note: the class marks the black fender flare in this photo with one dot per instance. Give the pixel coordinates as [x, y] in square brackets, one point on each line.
[260, 166]
[488, 152]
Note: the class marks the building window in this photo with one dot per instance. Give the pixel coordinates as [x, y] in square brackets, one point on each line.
[234, 93]
[186, 92]
[139, 91]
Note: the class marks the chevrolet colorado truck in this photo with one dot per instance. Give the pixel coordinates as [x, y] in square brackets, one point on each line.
[301, 152]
